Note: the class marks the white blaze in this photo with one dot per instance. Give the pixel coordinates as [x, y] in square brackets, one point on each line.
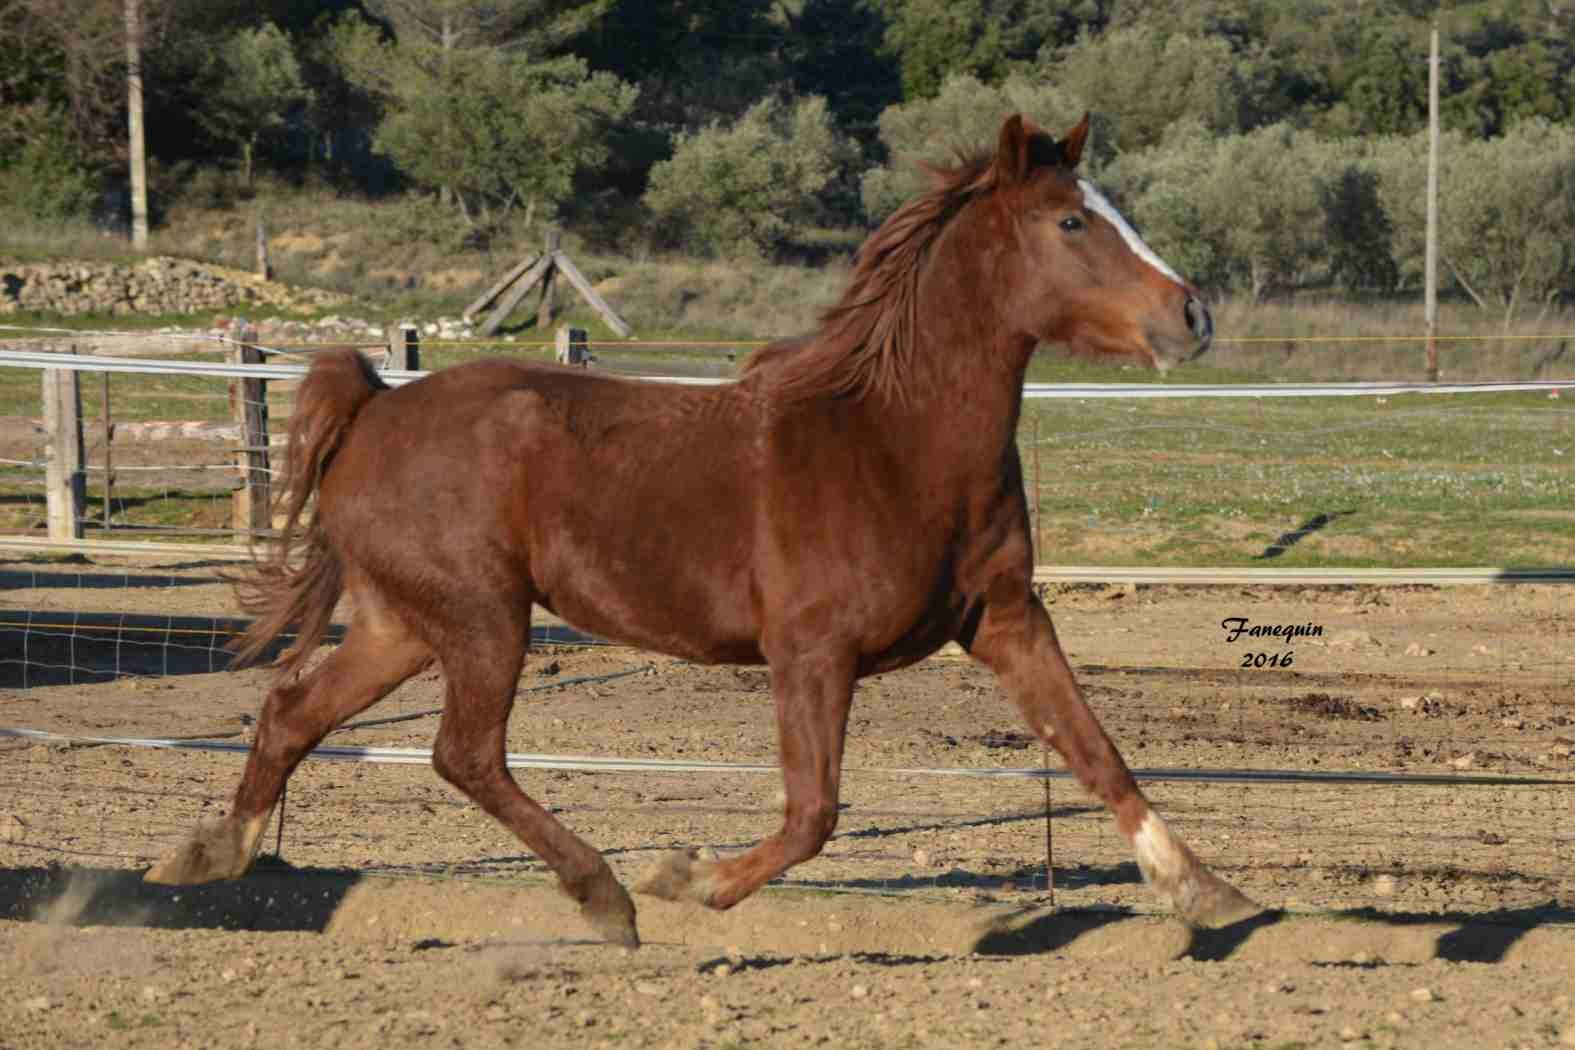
[1097, 203]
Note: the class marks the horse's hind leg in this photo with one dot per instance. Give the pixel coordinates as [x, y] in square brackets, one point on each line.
[813, 697]
[1016, 639]
[375, 657]
[470, 754]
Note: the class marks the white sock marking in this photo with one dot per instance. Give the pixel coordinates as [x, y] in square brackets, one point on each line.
[1157, 851]
[1097, 203]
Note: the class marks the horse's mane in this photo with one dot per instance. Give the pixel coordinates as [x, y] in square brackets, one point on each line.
[865, 340]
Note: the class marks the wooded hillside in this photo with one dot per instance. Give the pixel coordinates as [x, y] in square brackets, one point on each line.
[1263, 145]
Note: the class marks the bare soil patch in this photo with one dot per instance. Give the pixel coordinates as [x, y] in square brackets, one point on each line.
[402, 916]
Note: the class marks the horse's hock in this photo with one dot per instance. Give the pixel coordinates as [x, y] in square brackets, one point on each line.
[160, 285]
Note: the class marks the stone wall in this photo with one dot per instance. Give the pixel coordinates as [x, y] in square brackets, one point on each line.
[160, 285]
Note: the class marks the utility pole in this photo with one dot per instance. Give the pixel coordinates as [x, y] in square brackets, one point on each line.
[139, 159]
[1431, 308]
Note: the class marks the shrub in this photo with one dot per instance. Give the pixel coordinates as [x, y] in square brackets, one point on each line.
[744, 189]
[43, 174]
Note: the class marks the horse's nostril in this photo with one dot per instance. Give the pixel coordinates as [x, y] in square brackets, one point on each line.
[1198, 319]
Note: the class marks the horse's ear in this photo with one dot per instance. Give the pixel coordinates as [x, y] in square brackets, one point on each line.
[1072, 144]
[1012, 150]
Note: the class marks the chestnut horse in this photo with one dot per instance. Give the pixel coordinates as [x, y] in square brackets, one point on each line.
[852, 503]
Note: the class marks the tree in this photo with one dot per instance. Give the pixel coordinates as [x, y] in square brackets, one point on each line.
[935, 40]
[743, 188]
[1163, 191]
[42, 171]
[694, 61]
[488, 124]
[1148, 77]
[1240, 209]
[959, 121]
[833, 49]
[1359, 232]
[255, 82]
[1507, 210]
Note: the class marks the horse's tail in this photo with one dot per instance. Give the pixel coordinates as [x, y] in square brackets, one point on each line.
[280, 588]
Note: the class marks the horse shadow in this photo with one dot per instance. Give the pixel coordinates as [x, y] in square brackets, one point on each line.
[15, 580]
[1476, 937]
[1286, 540]
[57, 647]
[273, 898]
[276, 897]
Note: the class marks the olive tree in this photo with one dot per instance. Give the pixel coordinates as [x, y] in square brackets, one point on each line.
[1239, 209]
[959, 121]
[1148, 77]
[1506, 212]
[1508, 217]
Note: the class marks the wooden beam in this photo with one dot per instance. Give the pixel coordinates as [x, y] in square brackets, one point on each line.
[576, 278]
[138, 548]
[404, 348]
[252, 500]
[515, 295]
[483, 300]
[65, 493]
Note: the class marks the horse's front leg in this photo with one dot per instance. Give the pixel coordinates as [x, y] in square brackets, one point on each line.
[1016, 640]
[813, 694]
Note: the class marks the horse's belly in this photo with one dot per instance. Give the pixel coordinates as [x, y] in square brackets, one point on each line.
[654, 630]
[695, 606]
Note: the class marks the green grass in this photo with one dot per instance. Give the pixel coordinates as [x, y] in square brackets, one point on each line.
[1417, 480]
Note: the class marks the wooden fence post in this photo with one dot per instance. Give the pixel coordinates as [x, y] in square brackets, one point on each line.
[404, 348]
[572, 348]
[544, 307]
[109, 456]
[65, 480]
[253, 495]
[264, 268]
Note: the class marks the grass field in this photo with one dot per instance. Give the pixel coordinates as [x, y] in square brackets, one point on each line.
[1414, 480]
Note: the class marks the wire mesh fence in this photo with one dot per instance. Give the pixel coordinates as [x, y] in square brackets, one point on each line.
[1355, 781]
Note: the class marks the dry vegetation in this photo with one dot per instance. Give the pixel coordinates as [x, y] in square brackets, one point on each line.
[392, 257]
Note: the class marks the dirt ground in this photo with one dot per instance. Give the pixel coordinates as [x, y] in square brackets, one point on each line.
[1434, 914]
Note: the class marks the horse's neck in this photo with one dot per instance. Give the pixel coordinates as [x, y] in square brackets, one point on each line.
[967, 392]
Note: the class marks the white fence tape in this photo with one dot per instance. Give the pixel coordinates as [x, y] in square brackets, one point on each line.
[593, 764]
[1060, 391]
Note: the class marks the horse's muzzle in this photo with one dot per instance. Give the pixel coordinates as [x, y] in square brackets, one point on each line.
[1200, 322]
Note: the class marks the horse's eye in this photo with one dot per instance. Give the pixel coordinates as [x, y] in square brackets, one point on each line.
[1072, 223]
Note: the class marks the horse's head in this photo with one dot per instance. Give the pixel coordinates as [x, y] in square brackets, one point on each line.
[1087, 279]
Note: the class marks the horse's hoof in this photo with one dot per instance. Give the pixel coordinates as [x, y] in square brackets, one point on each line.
[680, 875]
[1209, 902]
[611, 913]
[212, 853]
